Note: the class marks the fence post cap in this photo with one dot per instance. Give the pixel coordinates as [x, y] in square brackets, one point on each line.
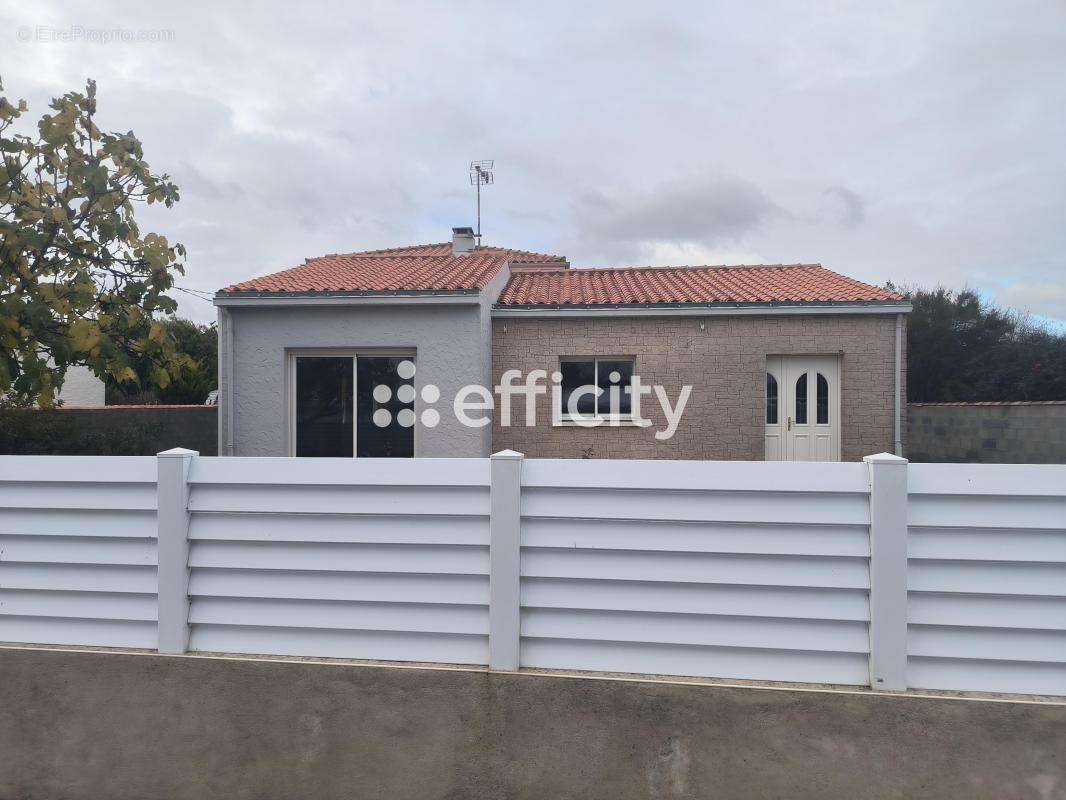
[177, 452]
[507, 454]
[884, 458]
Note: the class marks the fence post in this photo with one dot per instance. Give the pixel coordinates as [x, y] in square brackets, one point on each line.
[888, 571]
[173, 548]
[504, 542]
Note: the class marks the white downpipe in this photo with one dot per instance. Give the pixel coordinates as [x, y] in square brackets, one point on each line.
[225, 388]
[899, 381]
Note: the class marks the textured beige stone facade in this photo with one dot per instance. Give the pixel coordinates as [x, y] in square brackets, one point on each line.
[722, 358]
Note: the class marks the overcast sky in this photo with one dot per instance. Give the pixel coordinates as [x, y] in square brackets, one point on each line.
[922, 143]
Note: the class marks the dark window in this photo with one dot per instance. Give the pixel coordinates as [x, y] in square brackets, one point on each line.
[614, 374]
[396, 438]
[596, 377]
[324, 407]
[822, 401]
[801, 400]
[579, 375]
[771, 399]
[339, 413]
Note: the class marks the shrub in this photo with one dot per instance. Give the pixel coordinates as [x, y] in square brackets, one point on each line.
[47, 432]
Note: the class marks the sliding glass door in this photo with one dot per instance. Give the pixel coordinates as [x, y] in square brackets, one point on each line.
[325, 424]
[359, 405]
[384, 408]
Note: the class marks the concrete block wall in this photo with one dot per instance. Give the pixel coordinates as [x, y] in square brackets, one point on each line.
[723, 358]
[988, 433]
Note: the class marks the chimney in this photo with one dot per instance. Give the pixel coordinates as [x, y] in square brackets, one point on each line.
[462, 241]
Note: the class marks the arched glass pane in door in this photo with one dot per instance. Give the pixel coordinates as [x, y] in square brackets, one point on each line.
[771, 399]
[822, 400]
[801, 399]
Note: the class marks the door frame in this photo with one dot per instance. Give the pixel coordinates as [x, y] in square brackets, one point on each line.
[786, 379]
[291, 354]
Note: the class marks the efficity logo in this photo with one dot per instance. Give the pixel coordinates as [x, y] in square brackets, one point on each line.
[474, 404]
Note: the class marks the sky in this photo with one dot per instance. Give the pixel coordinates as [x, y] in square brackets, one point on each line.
[920, 143]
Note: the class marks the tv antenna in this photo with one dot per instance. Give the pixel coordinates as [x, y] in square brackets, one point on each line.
[480, 175]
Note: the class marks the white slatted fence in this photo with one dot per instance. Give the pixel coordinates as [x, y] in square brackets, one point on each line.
[697, 569]
[382, 559]
[78, 550]
[952, 578]
[987, 577]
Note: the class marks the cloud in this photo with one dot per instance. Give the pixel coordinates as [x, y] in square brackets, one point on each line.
[193, 181]
[1044, 299]
[703, 211]
[692, 254]
[632, 134]
[844, 207]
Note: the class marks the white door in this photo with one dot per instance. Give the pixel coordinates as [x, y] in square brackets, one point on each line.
[802, 408]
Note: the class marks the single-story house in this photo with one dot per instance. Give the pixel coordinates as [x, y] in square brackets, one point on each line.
[458, 349]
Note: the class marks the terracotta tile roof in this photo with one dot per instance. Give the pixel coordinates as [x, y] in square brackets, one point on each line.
[421, 268]
[781, 283]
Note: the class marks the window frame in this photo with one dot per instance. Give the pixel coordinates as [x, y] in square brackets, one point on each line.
[292, 354]
[561, 417]
[819, 380]
[798, 397]
[766, 400]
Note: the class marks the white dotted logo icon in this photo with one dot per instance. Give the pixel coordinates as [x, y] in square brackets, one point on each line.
[405, 393]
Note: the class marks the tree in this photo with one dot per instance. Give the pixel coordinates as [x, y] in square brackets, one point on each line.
[960, 349]
[200, 344]
[79, 282]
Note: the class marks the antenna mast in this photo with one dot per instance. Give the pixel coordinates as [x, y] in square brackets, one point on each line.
[480, 175]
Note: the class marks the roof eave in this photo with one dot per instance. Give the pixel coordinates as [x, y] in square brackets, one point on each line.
[407, 297]
[704, 309]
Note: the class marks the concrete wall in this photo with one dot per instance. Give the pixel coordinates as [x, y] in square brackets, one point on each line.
[990, 433]
[85, 725]
[450, 341]
[726, 364]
